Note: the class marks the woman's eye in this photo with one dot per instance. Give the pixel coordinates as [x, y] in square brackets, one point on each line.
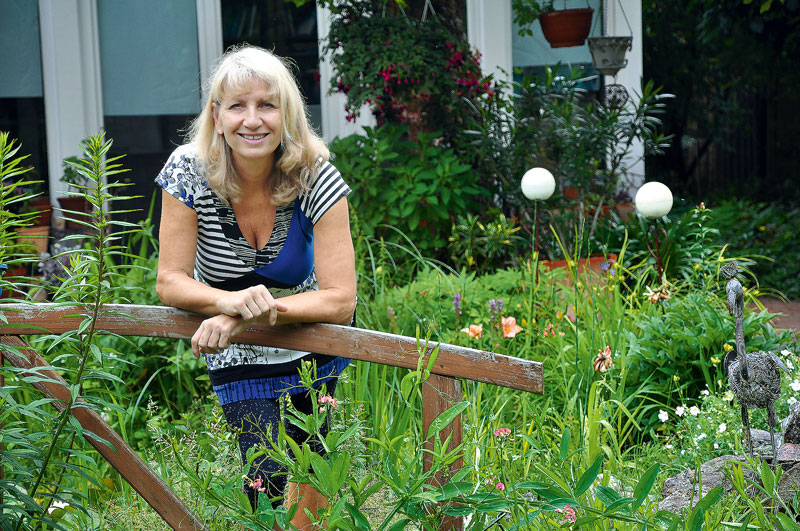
[235, 105]
[267, 105]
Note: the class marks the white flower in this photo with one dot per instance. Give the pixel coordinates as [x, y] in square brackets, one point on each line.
[791, 400]
[668, 446]
[795, 385]
[663, 416]
[700, 437]
[57, 505]
[704, 392]
[680, 410]
[694, 411]
[723, 427]
[786, 352]
[716, 446]
[790, 365]
[728, 396]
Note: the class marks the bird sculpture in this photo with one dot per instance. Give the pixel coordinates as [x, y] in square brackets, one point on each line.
[754, 378]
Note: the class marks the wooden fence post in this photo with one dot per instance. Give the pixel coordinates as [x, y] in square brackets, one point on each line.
[438, 394]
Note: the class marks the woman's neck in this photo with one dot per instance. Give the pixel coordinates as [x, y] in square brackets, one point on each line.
[253, 174]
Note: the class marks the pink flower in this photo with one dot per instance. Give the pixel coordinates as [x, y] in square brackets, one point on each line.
[474, 330]
[510, 327]
[257, 485]
[500, 486]
[569, 513]
[502, 433]
[328, 400]
[603, 361]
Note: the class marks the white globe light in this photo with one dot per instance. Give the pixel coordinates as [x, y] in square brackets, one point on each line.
[653, 200]
[538, 183]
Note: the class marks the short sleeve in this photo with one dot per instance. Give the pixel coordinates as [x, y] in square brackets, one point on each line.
[179, 176]
[328, 188]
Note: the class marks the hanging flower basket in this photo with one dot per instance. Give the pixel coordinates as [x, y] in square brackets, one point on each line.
[608, 53]
[567, 27]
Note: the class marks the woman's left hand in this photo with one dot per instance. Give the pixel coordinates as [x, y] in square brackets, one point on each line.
[215, 333]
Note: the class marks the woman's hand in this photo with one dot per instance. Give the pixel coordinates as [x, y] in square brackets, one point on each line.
[251, 303]
[215, 333]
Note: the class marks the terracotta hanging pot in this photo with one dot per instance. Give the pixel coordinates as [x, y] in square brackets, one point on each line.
[566, 27]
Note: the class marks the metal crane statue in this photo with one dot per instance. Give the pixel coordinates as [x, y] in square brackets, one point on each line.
[754, 378]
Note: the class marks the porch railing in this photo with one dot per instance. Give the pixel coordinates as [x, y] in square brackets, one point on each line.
[440, 391]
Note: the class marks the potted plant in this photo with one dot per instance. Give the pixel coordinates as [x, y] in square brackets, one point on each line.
[561, 27]
[73, 204]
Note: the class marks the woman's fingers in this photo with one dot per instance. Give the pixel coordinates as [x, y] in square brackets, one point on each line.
[215, 334]
[252, 303]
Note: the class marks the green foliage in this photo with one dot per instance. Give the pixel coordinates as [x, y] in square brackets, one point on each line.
[44, 451]
[415, 187]
[484, 247]
[765, 232]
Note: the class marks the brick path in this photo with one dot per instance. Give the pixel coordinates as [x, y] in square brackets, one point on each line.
[790, 311]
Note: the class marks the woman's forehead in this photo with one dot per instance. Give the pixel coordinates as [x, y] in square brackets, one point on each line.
[243, 86]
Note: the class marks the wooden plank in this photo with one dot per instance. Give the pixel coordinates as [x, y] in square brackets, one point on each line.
[355, 343]
[439, 393]
[122, 457]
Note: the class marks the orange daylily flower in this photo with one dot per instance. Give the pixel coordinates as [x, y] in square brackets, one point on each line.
[510, 327]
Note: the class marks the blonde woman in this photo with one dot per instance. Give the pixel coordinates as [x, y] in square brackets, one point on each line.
[255, 226]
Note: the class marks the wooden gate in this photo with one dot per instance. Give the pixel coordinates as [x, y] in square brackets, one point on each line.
[440, 391]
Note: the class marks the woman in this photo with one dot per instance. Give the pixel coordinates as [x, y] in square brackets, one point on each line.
[255, 227]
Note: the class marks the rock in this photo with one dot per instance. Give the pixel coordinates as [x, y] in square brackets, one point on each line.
[791, 425]
[789, 484]
[678, 491]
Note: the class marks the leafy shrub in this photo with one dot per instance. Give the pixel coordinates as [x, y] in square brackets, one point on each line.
[768, 233]
[415, 187]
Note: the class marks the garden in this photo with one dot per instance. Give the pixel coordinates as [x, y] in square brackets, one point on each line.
[448, 249]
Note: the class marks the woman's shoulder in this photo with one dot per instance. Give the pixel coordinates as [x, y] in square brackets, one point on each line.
[183, 175]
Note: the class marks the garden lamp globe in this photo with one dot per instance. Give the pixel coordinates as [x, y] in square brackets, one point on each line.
[538, 183]
[653, 200]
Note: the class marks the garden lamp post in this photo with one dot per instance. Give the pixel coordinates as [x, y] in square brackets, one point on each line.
[537, 184]
[654, 201]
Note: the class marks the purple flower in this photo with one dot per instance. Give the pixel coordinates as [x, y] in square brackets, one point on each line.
[457, 303]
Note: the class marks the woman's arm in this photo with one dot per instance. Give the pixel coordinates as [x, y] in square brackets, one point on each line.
[176, 285]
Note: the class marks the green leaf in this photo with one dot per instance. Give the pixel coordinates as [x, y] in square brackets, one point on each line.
[589, 476]
[444, 419]
[407, 384]
[606, 495]
[400, 525]
[564, 448]
[644, 486]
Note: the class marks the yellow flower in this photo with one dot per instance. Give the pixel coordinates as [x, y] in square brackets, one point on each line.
[762, 228]
[726, 347]
[676, 378]
[697, 267]
[715, 360]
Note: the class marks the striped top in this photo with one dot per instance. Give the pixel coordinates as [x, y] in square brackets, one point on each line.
[225, 260]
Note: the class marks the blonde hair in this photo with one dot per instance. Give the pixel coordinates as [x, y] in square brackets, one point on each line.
[301, 150]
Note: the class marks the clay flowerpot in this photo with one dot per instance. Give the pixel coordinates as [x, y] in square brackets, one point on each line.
[75, 204]
[567, 27]
[44, 210]
[624, 210]
[592, 270]
[38, 235]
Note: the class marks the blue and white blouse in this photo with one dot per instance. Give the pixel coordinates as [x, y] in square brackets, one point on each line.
[285, 265]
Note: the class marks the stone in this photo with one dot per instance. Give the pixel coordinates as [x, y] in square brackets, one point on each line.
[682, 489]
[791, 425]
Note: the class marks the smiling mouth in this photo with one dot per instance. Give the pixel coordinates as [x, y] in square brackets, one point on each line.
[253, 137]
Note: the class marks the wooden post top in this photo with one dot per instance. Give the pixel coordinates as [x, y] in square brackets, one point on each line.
[356, 343]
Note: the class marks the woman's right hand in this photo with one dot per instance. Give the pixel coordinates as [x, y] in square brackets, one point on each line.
[251, 303]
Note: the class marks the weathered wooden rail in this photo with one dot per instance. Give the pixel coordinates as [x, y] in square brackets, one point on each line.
[440, 391]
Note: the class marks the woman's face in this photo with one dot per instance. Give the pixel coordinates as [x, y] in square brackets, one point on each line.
[250, 121]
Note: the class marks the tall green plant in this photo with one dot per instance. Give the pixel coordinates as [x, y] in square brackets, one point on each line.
[50, 465]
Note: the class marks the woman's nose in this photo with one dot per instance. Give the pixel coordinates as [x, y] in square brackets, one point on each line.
[251, 117]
